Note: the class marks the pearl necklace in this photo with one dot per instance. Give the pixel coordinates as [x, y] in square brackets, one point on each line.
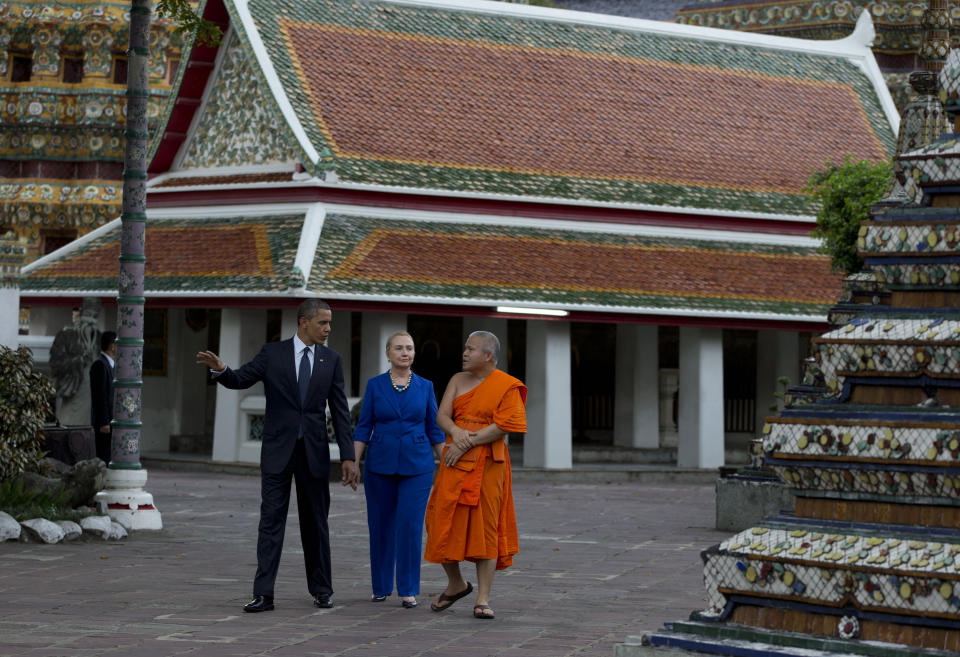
[404, 387]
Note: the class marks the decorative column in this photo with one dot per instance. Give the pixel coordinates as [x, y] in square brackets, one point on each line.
[341, 341]
[46, 53]
[5, 38]
[12, 254]
[241, 336]
[375, 329]
[97, 55]
[637, 398]
[700, 412]
[549, 439]
[124, 498]
[778, 354]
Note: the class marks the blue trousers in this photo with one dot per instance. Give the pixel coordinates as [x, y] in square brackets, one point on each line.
[396, 505]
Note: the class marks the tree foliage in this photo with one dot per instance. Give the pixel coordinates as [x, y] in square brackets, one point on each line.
[189, 21]
[846, 192]
[24, 407]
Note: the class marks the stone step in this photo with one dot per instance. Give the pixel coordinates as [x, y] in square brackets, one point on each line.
[742, 641]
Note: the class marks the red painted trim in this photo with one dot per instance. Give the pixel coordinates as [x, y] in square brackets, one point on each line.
[196, 75]
[146, 507]
[114, 505]
[531, 209]
[347, 305]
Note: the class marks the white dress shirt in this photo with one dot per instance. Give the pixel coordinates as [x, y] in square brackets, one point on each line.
[298, 347]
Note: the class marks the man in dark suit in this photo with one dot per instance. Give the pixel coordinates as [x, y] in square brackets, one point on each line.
[101, 394]
[300, 377]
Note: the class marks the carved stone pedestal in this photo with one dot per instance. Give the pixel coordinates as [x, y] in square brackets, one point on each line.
[125, 500]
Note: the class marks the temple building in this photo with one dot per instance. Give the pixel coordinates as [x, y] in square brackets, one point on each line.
[608, 195]
[63, 76]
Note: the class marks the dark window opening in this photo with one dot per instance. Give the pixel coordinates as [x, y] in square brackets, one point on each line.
[54, 239]
[119, 69]
[172, 72]
[20, 68]
[72, 70]
[155, 342]
[274, 325]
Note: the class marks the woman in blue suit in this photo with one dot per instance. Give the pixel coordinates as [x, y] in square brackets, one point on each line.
[398, 430]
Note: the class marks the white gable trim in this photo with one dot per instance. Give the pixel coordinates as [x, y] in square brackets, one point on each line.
[309, 239]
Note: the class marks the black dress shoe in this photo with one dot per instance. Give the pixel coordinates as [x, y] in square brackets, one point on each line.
[323, 601]
[409, 604]
[377, 598]
[259, 603]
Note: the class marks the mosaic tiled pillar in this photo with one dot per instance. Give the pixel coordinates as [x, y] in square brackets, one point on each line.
[125, 499]
[129, 368]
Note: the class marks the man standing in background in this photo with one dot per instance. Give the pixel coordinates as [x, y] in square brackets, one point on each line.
[101, 394]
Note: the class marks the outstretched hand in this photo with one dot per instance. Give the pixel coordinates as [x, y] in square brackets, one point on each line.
[211, 360]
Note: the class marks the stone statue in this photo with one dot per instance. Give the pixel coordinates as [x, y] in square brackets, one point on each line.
[74, 349]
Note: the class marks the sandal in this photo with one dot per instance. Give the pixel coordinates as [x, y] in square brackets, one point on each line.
[480, 611]
[446, 601]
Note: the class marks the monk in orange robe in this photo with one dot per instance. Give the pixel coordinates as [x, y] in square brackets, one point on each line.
[470, 514]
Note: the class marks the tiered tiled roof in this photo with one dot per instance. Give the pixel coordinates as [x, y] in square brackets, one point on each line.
[442, 262]
[234, 255]
[414, 95]
[388, 258]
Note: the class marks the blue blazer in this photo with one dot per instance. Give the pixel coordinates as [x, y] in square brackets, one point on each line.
[274, 365]
[399, 427]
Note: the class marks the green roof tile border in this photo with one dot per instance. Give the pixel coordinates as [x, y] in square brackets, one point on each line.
[283, 234]
[342, 232]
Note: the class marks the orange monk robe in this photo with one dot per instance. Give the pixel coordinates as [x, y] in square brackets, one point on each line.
[470, 514]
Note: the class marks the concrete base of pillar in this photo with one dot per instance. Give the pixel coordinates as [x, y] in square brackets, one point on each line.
[125, 501]
[743, 502]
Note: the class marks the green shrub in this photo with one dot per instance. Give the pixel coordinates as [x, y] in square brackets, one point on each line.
[25, 504]
[846, 193]
[24, 405]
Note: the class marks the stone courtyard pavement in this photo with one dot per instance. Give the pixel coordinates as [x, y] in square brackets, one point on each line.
[598, 561]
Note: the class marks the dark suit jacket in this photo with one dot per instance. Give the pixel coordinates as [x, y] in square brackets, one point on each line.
[274, 365]
[101, 392]
[400, 428]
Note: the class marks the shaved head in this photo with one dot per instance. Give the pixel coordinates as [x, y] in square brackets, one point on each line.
[491, 344]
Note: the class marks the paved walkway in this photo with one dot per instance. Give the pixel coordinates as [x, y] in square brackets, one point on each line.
[598, 561]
